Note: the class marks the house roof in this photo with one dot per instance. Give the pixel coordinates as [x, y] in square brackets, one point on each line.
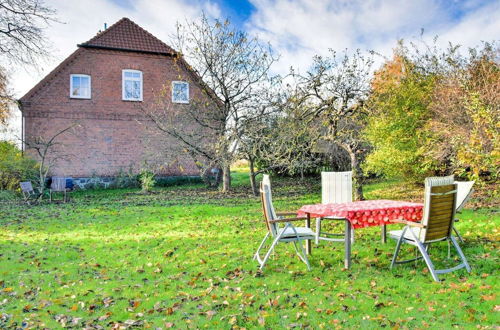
[126, 35]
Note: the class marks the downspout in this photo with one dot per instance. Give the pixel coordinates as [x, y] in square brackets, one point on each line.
[20, 106]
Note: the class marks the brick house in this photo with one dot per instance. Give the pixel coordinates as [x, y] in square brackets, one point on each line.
[102, 87]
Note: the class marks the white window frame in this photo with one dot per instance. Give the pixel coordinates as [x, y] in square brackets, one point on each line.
[134, 79]
[180, 82]
[79, 75]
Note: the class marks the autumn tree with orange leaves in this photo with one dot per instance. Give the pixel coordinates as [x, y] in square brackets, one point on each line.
[436, 112]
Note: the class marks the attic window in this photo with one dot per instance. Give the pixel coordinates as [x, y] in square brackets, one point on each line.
[131, 85]
[79, 86]
[180, 92]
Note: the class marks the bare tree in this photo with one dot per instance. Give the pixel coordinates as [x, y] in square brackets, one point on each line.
[5, 98]
[330, 98]
[44, 148]
[235, 67]
[22, 24]
[22, 41]
[279, 142]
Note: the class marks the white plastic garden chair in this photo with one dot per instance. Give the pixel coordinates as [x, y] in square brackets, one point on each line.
[436, 226]
[278, 234]
[336, 187]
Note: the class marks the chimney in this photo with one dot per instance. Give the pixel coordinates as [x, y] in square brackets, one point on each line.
[105, 26]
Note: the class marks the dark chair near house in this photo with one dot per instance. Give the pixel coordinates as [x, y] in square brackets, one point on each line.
[29, 194]
[63, 185]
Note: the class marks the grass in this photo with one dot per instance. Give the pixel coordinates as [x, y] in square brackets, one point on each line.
[182, 257]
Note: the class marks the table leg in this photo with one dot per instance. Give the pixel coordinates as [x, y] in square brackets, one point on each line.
[384, 234]
[347, 242]
[308, 242]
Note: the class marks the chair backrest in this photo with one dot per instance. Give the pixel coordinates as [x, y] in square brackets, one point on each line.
[58, 183]
[464, 192]
[26, 187]
[267, 205]
[336, 187]
[439, 208]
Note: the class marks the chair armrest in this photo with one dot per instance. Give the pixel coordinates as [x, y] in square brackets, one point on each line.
[288, 219]
[409, 223]
[285, 213]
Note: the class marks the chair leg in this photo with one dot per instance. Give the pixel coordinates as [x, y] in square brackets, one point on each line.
[318, 229]
[256, 255]
[273, 245]
[302, 257]
[428, 261]
[460, 253]
[398, 247]
[458, 235]
[268, 254]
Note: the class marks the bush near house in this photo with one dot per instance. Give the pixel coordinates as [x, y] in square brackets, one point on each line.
[14, 167]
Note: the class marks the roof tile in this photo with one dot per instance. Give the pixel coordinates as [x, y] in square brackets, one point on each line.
[127, 35]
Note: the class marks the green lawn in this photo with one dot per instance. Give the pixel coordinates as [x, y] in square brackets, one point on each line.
[182, 257]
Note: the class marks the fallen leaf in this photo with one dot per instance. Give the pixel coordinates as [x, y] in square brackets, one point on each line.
[105, 316]
[210, 314]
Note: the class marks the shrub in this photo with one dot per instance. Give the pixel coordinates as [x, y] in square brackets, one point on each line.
[168, 181]
[126, 179]
[6, 195]
[436, 113]
[399, 111]
[14, 167]
[147, 180]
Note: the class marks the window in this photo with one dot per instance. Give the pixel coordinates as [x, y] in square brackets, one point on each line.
[180, 92]
[131, 85]
[79, 86]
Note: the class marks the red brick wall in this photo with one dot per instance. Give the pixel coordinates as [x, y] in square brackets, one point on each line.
[112, 135]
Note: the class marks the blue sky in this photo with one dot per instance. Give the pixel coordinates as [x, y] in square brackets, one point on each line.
[238, 11]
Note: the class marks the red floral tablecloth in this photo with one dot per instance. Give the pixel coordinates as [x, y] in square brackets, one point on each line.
[366, 213]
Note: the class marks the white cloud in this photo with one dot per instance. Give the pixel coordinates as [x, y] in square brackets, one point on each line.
[482, 24]
[299, 29]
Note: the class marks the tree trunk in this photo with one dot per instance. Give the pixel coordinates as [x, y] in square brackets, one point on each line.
[357, 173]
[252, 178]
[226, 178]
[42, 175]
